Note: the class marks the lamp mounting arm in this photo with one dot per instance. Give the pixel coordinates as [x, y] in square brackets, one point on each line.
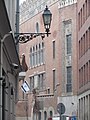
[25, 37]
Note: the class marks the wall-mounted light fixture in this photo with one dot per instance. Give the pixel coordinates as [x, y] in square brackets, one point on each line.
[25, 37]
[47, 17]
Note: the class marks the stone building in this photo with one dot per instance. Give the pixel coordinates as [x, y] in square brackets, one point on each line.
[52, 62]
[83, 9]
[9, 61]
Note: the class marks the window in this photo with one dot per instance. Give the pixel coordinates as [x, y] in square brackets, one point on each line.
[39, 116]
[69, 87]
[51, 113]
[69, 79]
[81, 17]
[37, 27]
[34, 116]
[45, 115]
[53, 49]
[83, 13]
[68, 40]
[88, 7]
[37, 55]
[84, 75]
[33, 56]
[48, 91]
[69, 74]
[54, 72]
[40, 79]
[79, 48]
[42, 53]
[86, 72]
[89, 39]
[30, 57]
[84, 43]
[37, 81]
[89, 72]
[79, 20]
[31, 83]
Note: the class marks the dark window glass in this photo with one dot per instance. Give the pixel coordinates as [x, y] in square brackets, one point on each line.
[69, 74]
[37, 27]
[53, 79]
[69, 79]
[53, 49]
[68, 39]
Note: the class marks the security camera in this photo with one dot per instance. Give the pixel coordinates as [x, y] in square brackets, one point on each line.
[14, 66]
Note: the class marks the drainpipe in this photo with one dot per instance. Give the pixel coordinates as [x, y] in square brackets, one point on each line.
[17, 20]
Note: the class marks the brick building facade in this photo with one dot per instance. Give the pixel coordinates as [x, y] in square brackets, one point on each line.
[52, 62]
[84, 59]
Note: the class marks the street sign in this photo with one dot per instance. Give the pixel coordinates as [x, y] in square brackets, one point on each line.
[25, 87]
[61, 108]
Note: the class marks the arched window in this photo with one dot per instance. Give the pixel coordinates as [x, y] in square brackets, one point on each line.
[42, 53]
[39, 117]
[30, 50]
[36, 54]
[42, 44]
[30, 57]
[51, 113]
[37, 27]
[34, 116]
[45, 115]
[39, 53]
[33, 56]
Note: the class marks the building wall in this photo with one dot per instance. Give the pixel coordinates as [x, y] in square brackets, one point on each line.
[11, 10]
[8, 73]
[84, 59]
[68, 27]
[9, 90]
[63, 23]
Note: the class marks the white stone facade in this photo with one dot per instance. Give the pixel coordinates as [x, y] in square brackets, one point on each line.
[29, 8]
[64, 3]
[70, 103]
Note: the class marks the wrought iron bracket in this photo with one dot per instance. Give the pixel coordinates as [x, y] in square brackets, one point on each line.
[25, 37]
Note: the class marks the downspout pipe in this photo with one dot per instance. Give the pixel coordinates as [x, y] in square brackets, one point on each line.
[17, 20]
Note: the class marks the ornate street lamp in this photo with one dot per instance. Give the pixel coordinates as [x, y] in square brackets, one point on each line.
[47, 17]
[25, 37]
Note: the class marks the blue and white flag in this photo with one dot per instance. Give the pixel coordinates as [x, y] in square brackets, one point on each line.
[25, 87]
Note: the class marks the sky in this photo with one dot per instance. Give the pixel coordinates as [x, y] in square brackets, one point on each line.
[21, 1]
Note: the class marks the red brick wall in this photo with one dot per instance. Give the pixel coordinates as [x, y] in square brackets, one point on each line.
[84, 45]
[58, 16]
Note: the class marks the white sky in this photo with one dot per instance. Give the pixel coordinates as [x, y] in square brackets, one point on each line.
[21, 1]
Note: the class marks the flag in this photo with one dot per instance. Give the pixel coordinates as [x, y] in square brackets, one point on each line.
[25, 87]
